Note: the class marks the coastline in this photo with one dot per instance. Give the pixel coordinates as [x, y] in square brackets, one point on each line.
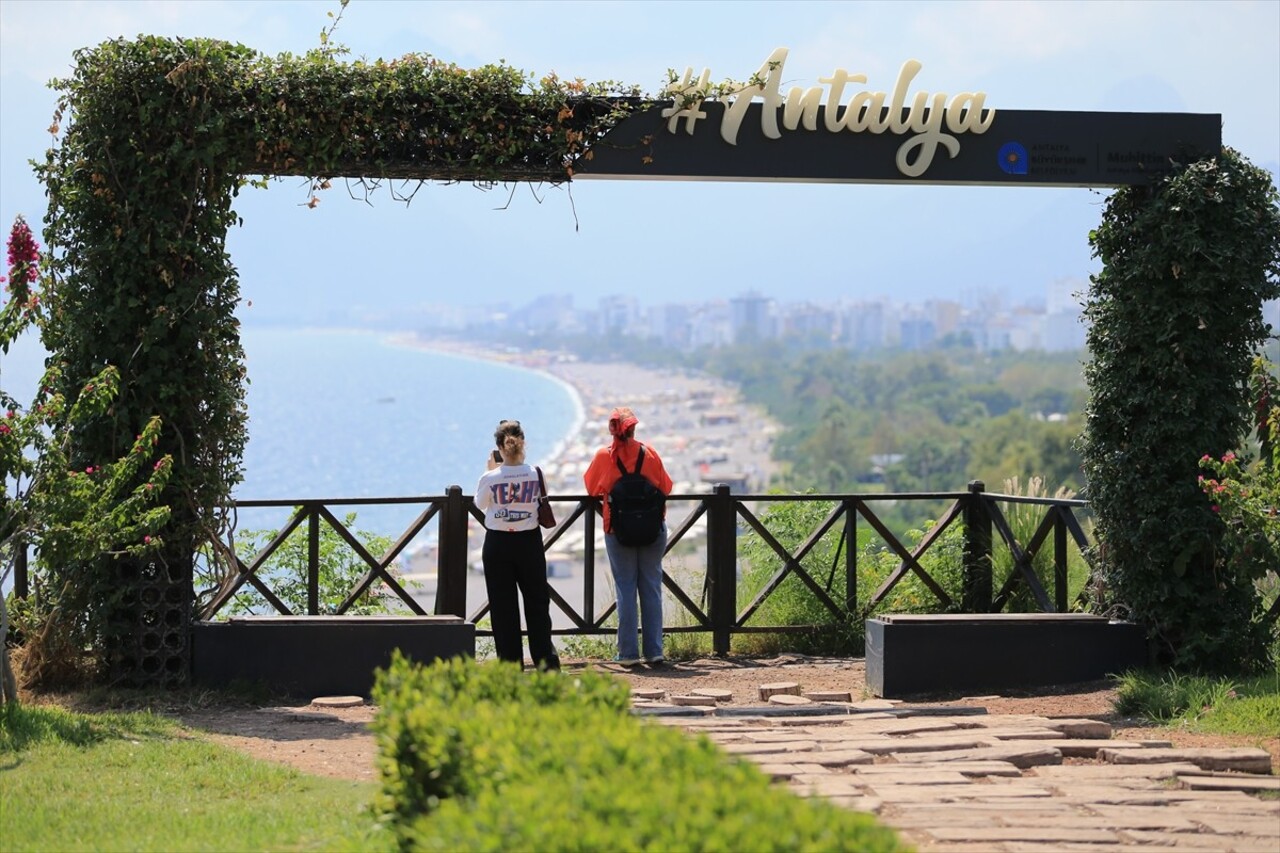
[700, 426]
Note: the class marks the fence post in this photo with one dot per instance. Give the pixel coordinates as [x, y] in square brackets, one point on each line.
[850, 557]
[589, 563]
[313, 562]
[1060, 560]
[451, 561]
[20, 588]
[722, 567]
[976, 582]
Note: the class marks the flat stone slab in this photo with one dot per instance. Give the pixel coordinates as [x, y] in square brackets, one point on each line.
[1234, 824]
[828, 696]
[984, 768]
[338, 701]
[1018, 756]
[1239, 782]
[1055, 831]
[912, 794]
[1089, 795]
[1109, 772]
[1142, 817]
[836, 757]
[795, 733]
[804, 714]
[1085, 748]
[757, 748]
[1240, 759]
[1089, 729]
[647, 693]
[895, 745]
[1156, 840]
[788, 699]
[693, 700]
[778, 688]
[668, 711]
[897, 774]
[713, 692]
[908, 726]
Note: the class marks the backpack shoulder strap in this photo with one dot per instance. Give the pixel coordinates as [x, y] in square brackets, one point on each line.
[639, 463]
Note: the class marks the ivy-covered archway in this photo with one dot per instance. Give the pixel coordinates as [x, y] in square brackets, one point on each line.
[160, 135]
[158, 138]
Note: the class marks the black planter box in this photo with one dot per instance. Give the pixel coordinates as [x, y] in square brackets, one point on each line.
[311, 656]
[962, 653]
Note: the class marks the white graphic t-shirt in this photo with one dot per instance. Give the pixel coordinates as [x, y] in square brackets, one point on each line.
[509, 497]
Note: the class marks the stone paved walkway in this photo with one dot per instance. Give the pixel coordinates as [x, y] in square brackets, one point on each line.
[971, 781]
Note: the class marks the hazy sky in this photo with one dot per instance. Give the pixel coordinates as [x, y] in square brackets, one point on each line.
[685, 241]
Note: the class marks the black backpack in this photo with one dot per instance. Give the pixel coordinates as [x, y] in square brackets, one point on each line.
[635, 506]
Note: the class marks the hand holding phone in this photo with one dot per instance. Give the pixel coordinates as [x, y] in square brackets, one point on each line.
[497, 456]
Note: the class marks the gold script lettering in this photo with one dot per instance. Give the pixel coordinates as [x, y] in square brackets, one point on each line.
[927, 119]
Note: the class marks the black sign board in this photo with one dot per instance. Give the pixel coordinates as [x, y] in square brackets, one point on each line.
[1031, 147]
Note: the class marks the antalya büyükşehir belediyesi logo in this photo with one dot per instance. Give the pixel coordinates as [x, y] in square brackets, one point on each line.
[1013, 158]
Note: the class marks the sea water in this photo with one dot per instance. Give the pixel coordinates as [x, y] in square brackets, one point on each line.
[357, 414]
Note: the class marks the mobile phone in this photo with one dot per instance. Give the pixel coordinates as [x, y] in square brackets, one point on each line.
[497, 456]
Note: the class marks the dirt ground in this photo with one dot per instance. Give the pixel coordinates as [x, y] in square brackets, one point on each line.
[336, 742]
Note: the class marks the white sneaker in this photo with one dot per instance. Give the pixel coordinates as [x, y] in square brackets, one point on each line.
[627, 661]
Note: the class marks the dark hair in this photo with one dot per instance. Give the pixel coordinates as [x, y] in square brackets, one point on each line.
[507, 428]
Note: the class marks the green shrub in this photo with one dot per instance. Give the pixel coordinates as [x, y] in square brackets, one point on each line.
[486, 757]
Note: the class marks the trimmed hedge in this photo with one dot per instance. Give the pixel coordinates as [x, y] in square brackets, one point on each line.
[486, 757]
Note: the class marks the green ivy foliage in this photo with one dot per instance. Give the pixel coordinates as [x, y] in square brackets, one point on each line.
[160, 136]
[1176, 321]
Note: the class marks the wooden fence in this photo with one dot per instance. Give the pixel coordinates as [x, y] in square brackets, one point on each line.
[720, 519]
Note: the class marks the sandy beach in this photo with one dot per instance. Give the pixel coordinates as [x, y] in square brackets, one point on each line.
[700, 426]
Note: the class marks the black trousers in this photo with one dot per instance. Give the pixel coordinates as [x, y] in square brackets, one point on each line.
[516, 561]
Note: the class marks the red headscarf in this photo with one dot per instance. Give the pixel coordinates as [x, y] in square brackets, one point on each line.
[622, 424]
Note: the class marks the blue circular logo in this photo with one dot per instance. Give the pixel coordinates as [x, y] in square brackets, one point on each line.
[1013, 158]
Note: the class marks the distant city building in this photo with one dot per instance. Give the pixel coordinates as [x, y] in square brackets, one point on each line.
[980, 321]
[750, 318]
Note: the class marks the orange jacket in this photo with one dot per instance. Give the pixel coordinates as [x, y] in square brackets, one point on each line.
[602, 473]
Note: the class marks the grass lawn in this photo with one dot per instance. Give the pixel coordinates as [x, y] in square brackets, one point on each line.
[1248, 708]
[135, 781]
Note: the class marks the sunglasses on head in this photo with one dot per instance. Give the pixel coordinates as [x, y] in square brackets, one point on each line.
[506, 423]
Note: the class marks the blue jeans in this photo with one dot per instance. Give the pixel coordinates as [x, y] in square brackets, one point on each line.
[638, 570]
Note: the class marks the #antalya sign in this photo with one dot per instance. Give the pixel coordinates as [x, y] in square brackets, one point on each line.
[922, 123]
[843, 131]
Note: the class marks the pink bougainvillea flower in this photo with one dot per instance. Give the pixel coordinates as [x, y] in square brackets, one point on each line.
[89, 470]
[24, 251]
[1205, 458]
[1229, 457]
[146, 540]
[1215, 508]
[4, 429]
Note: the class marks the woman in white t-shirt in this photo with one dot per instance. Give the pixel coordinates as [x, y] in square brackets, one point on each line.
[513, 555]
